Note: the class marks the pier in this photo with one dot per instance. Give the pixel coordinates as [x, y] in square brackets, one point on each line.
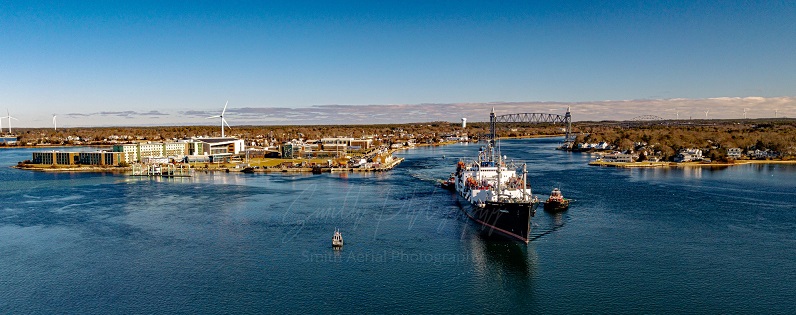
[162, 170]
[381, 168]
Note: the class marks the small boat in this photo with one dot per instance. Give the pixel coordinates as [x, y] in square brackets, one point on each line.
[449, 184]
[556, 202]
[337, 239]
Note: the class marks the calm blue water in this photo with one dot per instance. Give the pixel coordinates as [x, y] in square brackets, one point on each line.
[634, 241]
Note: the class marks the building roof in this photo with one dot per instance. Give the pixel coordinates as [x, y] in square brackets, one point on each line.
[215, 140]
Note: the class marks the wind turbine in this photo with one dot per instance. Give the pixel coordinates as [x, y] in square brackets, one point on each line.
[776, 111]
[9, 120]
[706, 113]
[744, 112]
[223, 122]
[55, 125]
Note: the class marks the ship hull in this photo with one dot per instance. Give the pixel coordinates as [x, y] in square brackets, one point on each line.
[509, 220]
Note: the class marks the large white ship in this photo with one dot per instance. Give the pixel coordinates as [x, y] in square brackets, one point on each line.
[502, 201]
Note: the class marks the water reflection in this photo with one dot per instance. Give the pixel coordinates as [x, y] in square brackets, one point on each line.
[508, 264]
[504, 257]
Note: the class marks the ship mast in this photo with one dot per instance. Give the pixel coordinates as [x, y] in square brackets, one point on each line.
[524, 182]
[498, 178]
[492, 137]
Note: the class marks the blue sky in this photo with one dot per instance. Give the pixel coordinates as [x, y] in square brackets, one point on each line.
[151, 63]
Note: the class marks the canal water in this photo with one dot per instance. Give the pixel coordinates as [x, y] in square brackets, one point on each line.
[692, 240]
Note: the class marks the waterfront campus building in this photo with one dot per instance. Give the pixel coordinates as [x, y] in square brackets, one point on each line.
[193, 149]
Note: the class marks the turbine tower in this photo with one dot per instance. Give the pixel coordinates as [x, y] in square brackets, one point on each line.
[55, 125]
[744, 112]
[223, 122]
[9, 120]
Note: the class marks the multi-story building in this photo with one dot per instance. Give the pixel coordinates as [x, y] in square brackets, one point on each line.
[137, 151]
[130, 152]
[101, 158]
[74, 158]
[55, 157]
[214, 148]
[175, 149]
[345, 143]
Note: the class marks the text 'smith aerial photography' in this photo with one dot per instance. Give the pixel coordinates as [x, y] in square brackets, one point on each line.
[394, 157]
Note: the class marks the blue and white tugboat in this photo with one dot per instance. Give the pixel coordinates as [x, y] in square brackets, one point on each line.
[502, 201]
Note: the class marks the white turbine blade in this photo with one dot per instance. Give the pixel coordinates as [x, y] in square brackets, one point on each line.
[213, 117]
[14, 118]
[225, 122]
[225, 108]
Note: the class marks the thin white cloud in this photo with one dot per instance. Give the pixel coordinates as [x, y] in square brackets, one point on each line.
[718, 107]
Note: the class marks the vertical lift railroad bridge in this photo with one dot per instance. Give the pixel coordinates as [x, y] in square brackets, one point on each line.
[534, 118]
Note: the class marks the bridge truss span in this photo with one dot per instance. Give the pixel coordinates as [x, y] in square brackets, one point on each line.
[533, 118]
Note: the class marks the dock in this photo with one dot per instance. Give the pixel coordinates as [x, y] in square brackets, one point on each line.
[381, 168]
[162, 170]
[630, 164]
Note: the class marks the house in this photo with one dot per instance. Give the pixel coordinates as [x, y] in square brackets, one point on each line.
[762, 154]
[618, 157]
[734, 153]
[683, 157]
[688, 155]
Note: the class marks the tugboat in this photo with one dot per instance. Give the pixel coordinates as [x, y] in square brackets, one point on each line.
[501, 200]
[337, 239]
[556, 202]
[449, 184]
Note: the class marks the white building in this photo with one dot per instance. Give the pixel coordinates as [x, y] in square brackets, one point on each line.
[618, 157]
[215, 148]
[136, 152]
[211, 148]
[345, 143]
[734, 153]
[688, 155]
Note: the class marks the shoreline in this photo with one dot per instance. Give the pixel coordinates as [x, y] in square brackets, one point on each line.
[685, 164]
[129, 169]
[393, 164]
